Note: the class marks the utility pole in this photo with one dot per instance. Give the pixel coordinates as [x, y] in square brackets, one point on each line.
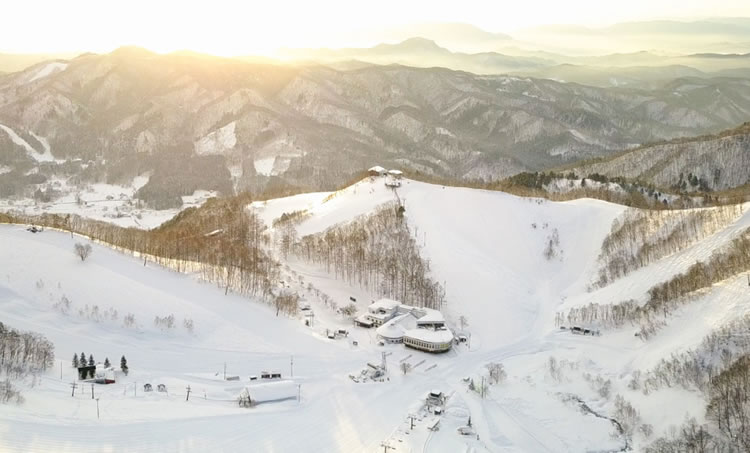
[187, 397]
[299, 392]
[92, 391]
[73, 386]
[384, 362]
[291, 367]
[386, 447]
[97, 408]
[411, 418]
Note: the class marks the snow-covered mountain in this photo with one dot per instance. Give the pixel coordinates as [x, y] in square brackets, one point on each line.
[512, 269]
[225, 125]
[709, 163]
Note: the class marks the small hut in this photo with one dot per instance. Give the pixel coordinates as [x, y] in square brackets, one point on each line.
[86, 372]
[147, 388]
[377, 171]
[161, 387]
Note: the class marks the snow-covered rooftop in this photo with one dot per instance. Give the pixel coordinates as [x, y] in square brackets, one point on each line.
[431, 316]
[377, 169]
[385, 304]
[396, 327]
[430, 336]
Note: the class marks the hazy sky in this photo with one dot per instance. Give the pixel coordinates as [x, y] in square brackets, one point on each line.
[226, 27]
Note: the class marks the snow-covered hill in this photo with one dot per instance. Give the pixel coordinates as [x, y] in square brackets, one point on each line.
[507, 264]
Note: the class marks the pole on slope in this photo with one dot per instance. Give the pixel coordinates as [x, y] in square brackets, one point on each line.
[135, 389]
[386, 447]
[97, 408]
[92, 391]
[187, 397]
[291, 366]
[73, 386]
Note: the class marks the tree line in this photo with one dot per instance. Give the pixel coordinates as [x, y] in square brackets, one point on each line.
[377, 252]
[22, 353]
[720, 369]
[640, 237]
[665, 297]
[222, 242]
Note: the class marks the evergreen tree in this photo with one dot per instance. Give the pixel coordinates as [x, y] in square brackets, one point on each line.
[106, 362]
[124, 365]
[91, 360]
[75, 360]
[82, 359]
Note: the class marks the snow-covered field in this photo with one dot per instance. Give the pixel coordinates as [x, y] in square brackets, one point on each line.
[106, 202]
[487, 248]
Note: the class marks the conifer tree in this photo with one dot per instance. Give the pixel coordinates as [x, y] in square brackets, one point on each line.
[82, 359]
[106, 362]
[91, 360]
[124, 365]
[75, 360]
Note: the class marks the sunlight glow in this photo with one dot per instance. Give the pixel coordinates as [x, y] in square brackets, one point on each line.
[228, 28]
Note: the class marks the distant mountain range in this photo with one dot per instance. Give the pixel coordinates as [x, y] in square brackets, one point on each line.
[639, 69]
[195, 122]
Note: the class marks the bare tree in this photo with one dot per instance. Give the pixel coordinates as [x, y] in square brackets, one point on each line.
[286, 302]
[82, 251]
[349, 311]
[497, 372]
[405, 367]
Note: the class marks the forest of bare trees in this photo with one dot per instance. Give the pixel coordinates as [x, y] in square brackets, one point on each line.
[727, 427]
[640, 237]
[719, 368]
[377, 252]
[222, 242]
[664, 298]
[21, 354]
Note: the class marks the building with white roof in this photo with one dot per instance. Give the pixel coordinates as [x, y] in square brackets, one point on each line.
[418, 328]
[393, 331]
[377, 171]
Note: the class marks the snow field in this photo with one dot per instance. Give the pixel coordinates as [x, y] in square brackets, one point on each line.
[487, 247]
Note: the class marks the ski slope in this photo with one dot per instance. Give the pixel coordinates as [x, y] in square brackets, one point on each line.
[487, 247]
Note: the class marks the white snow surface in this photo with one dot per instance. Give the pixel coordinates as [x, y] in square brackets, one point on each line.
[219, 141]
[264, 166]
[487, 247]
[49, 69]
[46, 156]
[111, 203]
